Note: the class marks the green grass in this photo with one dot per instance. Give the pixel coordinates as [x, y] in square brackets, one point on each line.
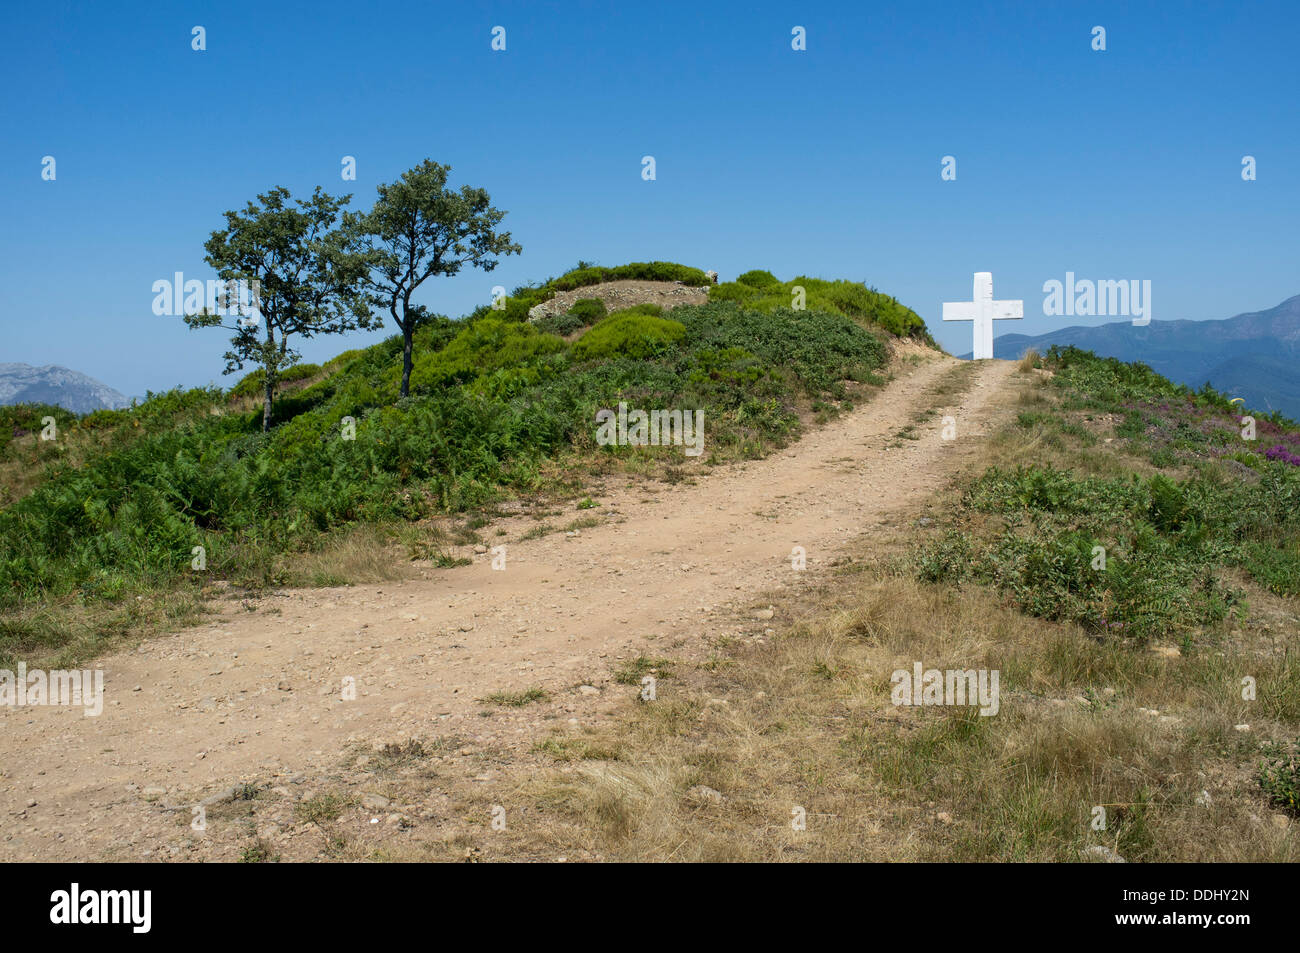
[1279, 778]
[578, 749]
[258, 852]
[322, 808]
[641, 666]
[517, 699]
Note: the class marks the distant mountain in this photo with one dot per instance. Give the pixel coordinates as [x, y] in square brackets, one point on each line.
[22, 384]
[1254, 355]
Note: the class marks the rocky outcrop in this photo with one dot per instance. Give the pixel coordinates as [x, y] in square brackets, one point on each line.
[624, 294]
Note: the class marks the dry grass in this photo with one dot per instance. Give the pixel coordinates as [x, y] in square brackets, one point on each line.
[734, 747]
[806, 722]
[28, 458]
[65, 633]
[359, 553]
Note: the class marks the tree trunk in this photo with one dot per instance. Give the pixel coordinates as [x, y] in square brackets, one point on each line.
[268, 390]
[268, 379]
[408, 339]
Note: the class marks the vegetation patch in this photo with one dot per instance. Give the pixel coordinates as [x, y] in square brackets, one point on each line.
[1126, 556]
[518, 699]
[762, 291]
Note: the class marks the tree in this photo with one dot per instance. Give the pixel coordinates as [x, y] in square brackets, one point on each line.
[308, 274]
[419, 228]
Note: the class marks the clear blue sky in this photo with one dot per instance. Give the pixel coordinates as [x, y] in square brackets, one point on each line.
[1117, 164]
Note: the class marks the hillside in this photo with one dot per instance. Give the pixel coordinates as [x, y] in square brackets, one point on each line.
[500, 410]
[1252, 355]
[57, 386]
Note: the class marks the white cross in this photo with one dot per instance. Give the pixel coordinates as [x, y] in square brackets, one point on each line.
[982, 311]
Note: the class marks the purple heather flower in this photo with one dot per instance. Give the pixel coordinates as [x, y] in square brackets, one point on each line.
[1281, 453]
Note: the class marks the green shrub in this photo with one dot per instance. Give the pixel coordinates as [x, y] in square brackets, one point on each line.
[1164, 542]
[488, 345]
[758, 279]
[737, 293]
[561, 325]
[637, 270]
[639, 336]
[1276, 567]
[644, 308]
[588, 310]
[762, 291]
[1279, 778]
[819, 348]
[946, 560]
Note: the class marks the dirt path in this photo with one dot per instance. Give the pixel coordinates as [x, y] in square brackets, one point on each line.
[260, 694]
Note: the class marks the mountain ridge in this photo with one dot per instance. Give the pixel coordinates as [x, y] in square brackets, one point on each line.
[1251, 355]
[57, 385]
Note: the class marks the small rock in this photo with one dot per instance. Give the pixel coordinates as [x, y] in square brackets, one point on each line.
[219, 798]
[588, 690]
[1241, 727]
[1100, 853]
[702, 792]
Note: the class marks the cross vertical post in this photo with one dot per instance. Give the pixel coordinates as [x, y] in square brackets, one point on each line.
[982, 311]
